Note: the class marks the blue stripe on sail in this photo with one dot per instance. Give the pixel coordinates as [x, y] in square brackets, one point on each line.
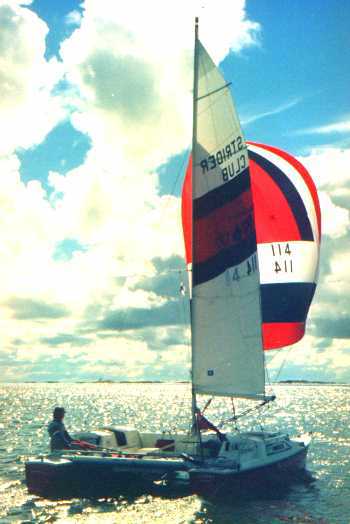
[220, 196]
[288, 302]
[294, 200]
[214, 266]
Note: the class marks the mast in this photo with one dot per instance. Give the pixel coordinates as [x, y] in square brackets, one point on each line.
[194, 139]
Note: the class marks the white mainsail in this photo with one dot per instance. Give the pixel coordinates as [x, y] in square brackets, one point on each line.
[225, 308]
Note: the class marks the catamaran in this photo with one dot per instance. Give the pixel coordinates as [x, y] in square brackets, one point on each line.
[251, 220]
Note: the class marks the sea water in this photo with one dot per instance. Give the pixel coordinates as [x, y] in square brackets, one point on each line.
[323, 410]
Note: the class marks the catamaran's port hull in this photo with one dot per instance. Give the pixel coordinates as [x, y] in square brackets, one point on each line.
[89, 476]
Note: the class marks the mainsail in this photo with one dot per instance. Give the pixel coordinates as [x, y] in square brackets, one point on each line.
[225, 308]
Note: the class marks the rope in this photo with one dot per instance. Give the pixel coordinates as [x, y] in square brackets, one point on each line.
[206, 405]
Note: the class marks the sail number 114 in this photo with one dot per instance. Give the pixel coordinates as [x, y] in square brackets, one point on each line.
[285, 264]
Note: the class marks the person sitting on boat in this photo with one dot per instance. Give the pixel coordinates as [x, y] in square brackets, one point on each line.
[60, 438]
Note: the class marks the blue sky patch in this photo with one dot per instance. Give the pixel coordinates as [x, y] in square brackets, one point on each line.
[66, 248]
[55, 13]
[63, 149]
[171, 174]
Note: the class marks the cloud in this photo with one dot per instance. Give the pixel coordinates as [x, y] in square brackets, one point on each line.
[323, 359]
[122, 85]
[334, 128]
[73, 18]
[279, 109]
[333, 326]
[138, 318]
[65, 338]
[170, 273]
[26, 308]
[26, 80]
[135, 79]
[329, 168]
[338, 226]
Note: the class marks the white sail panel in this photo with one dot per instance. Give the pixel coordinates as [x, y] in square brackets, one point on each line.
[227, 358]
[292, 261]
[225, 308]
[220, 151]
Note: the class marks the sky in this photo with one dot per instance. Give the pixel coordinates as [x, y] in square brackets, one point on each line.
[95, 127]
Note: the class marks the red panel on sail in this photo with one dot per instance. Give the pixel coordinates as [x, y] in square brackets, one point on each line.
[275, 222]
[232, 217]
[282, 334]
[302, 171]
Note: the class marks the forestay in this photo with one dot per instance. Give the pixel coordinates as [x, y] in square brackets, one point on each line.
[225, 309]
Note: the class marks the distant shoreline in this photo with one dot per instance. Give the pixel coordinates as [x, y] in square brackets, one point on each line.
[101, 381]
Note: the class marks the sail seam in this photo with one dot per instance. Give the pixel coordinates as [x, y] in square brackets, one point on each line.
[215, 91]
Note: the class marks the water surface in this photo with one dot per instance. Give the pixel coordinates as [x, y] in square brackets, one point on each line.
[25, 410]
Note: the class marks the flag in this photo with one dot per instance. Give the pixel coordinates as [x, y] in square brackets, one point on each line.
[204, 424]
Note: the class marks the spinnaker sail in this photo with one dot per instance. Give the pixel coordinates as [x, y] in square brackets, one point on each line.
[287, 222]
[288, 229]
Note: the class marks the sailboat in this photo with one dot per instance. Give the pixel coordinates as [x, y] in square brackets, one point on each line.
[252, 226]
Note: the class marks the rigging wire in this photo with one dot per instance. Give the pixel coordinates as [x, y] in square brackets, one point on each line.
[180, 170]
[184, 318]
[286, 355]
[244, 413]
[234, 413]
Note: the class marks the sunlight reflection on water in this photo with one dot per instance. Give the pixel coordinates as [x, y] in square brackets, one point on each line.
[26, 409]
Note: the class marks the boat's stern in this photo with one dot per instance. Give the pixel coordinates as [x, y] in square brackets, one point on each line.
[47, 476]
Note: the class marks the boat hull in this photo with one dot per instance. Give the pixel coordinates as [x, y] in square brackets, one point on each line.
[107, 476]
[95, 476]
[281, 472]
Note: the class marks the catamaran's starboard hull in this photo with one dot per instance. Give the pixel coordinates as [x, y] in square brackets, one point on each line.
[211, 480]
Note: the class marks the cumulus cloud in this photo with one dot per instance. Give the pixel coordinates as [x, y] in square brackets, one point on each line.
[135, 79]
[25, 309]
[136, 318]
[127, 85]
[326, 348]
[329, 167]
[339, 224]
[65, 338]
[328, 359]
[26, 80]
